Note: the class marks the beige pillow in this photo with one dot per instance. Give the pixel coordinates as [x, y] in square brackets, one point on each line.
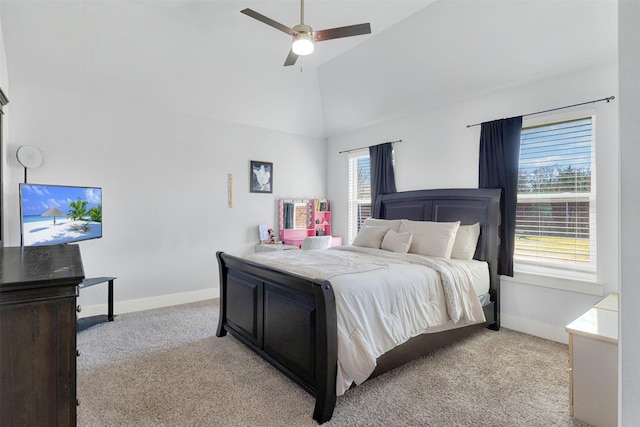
[431, 238]
[396, 242]
[370, 237]
[466, 241]
[393, 224]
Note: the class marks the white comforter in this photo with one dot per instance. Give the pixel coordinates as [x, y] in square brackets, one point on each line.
[383, 299]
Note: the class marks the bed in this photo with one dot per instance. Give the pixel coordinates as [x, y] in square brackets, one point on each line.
[291, 319]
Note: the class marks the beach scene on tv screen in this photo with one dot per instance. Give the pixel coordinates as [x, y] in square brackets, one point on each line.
[57, 214]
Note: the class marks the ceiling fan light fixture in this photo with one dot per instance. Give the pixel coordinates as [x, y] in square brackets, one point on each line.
[304, 37]
[302, 40]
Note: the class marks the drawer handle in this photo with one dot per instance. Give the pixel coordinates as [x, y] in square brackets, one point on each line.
[77, 402]
[78, 308]
[77, 353]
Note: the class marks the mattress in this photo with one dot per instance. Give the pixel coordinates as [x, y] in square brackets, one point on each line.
[383, 299]
[479, 271]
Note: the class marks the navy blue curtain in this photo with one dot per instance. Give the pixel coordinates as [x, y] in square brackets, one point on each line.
[383, 179]
[499, 160]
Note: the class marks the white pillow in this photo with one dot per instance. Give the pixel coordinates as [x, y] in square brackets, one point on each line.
[466, 241]
[393, 224]
[396, 242]
[431, 238]
[370, 237]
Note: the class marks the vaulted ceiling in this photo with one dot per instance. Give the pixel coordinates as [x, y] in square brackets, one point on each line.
[207, 59]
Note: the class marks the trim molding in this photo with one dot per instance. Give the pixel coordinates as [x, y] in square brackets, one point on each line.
[520, 324]
[141, 304]
[3, 99]
[533, 327]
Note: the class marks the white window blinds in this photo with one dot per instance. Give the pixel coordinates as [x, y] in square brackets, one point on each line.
[555, 218]
[359, 191]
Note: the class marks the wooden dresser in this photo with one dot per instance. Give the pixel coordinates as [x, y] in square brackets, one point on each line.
[38, 291]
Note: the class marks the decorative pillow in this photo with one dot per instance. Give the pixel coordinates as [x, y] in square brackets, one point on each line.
[431, 238]
[370, 237]
[393, 224]
[396, 242]
[466, 241]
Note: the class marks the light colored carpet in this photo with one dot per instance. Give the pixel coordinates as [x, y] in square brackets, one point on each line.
[166, 367]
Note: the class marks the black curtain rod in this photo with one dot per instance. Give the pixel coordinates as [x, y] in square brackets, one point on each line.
[362, 148]
[611, 98]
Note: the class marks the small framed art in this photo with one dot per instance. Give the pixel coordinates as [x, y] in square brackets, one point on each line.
[261, 177]
[263, 232]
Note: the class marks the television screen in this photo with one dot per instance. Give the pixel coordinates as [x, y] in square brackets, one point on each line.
[57, 214]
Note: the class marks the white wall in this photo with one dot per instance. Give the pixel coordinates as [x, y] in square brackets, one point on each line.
[164, 180]
[158, 125]
[4, 77]
[629, 371]
[439, 151]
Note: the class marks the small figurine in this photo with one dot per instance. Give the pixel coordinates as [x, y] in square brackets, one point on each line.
[272, 236]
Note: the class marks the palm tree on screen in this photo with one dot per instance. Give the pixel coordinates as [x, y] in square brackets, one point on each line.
[95, 213]
[78, 209]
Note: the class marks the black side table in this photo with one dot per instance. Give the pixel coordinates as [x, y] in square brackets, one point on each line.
[87, 322]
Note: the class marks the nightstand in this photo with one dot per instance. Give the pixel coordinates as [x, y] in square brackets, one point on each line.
[267, 247]
[593, 364]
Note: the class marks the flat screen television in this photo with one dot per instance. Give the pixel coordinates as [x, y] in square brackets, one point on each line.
[59, 214]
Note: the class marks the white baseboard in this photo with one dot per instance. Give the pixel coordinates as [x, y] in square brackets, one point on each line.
[520, 324]
[129, 306]
[533, 327]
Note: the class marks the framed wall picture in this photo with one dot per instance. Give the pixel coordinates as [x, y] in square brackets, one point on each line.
[261, 177]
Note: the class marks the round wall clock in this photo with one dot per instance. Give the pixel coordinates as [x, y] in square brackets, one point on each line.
[29, 156]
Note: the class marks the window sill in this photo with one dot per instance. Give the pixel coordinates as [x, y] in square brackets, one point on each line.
[589, 287]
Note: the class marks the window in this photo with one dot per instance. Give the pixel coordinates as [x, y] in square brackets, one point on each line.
[359, 191]
[556, 215]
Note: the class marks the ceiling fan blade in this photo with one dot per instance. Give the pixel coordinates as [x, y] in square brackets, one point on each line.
[268, 21]
[291, 59]
[336, 33]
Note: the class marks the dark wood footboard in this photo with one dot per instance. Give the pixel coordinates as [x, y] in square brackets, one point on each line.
[287, 319]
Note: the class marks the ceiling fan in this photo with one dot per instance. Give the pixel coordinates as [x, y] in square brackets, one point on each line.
[304, 36]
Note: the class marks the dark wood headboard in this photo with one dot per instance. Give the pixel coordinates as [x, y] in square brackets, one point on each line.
[458, 204]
